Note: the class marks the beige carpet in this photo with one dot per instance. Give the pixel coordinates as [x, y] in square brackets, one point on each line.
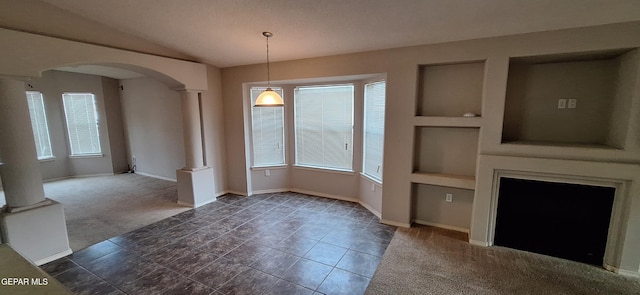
[427, 260]
[98, 208]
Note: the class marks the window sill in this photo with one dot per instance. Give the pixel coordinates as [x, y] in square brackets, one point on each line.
[49, 159]
[86, 156]
[260, 168]
[371, 179]
[328, 170]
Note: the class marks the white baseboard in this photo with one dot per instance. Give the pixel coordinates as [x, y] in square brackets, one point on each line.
[155, 176]
[270, 191]
[445, 226]
[479, 243]
[234, 192]
[91, 175]
[374, 211]
[395, 223]
[622, 272]
[330, 196]
[53, 257]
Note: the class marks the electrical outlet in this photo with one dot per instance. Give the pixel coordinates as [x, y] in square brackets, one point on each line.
[449, 198]
[373, 187]
[562, 103]
[573, 103]
[267, 172]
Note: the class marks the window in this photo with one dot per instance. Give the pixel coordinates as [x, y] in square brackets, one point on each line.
[267, 131]
[82, 123]
[324, 126]
[39, 125]
[374, 99]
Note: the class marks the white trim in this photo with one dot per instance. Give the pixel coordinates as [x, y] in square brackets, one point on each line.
[154, 176]
[234, 192]
[323, 169]
[84, 156]
[47, 159]
[196, 205]
[440, 225]
[53, 257]
[369, 178]
[274, 167]
[330, 196]
[269, 191]
[622, 272]
[395, 223]
[374, 211]
[91, 175]
[479, 243]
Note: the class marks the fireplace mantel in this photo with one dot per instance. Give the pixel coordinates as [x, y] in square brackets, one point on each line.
[622, 253]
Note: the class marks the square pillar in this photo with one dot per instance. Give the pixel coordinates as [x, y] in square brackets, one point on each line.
[39, 234]
[195, 187]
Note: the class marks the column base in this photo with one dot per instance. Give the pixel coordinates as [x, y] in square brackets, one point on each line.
[195, 188]
[39, 234]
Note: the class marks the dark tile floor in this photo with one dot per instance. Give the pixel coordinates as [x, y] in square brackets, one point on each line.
[284, 243]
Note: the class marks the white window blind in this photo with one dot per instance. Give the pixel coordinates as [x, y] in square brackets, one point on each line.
[374, 101]
[324, 126]
[82, 123]
[267, 131]
[39, 125]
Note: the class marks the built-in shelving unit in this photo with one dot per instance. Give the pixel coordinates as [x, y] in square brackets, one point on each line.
[540, 90]
[448, 180]
[446, 141]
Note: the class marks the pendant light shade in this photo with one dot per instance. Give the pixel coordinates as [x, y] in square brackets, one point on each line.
[269, 98]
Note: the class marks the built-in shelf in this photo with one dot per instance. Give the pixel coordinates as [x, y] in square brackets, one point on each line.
[433, 121]
[450, 90]
[561, 144]
[448, 180]
[570, 100]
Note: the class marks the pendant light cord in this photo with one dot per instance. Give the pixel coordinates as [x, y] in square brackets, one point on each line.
[268, 77]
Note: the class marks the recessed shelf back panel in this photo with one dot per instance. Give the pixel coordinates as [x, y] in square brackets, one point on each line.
[446, 150]
[575, 100]
[450, 90]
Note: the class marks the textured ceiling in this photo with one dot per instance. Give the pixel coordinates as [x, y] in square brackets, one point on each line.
[228, 32]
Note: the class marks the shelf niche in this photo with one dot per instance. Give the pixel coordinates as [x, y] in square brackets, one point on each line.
[450, 90]
[450, 151]
[602, 82]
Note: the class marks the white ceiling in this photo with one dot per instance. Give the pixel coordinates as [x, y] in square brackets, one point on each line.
[228, 32]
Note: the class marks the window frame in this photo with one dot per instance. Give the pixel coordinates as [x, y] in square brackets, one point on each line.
[374, 178]
[296, 163]
[36, 138]
[72, 153]
[251, 124]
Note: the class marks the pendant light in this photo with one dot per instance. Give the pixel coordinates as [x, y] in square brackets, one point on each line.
[269, 98]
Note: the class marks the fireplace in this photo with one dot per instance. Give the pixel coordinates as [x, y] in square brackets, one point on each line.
[565, 220]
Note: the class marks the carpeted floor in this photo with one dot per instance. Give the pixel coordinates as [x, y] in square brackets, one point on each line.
[428, 260]
[98, 208]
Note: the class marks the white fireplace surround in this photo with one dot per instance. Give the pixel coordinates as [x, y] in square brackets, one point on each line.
[624, 227]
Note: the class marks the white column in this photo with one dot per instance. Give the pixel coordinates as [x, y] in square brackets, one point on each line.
[21, 178]
[192, 130]
[195, 181]
[32, 225]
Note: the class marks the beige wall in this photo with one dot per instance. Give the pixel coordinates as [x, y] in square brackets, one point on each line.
[52, 85]
[402, 69]
[213, 129]
[153, 122]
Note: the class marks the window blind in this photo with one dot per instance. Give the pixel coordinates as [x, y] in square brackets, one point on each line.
[39, 125]
[267, 131]
[82, 123]
[374, 105]
[324, 126]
